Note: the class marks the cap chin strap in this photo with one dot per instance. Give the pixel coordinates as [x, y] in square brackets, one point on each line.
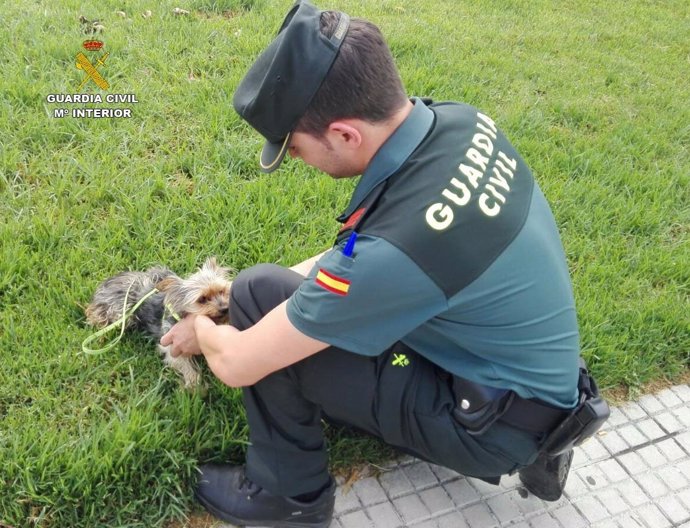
[279, 156]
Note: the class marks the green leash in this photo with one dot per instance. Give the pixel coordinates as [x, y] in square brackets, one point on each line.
[172, 312]
[126, 314]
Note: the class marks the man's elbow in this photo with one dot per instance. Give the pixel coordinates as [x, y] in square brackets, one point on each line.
[237, 380]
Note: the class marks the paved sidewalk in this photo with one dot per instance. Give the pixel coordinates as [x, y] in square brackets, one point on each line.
[634, 473]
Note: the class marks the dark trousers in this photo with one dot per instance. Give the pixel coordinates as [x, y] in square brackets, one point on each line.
[409, 407]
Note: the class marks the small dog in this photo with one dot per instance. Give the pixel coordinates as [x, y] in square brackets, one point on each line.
[206, 292]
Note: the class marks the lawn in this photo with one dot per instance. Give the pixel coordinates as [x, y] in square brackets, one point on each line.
[594, 94]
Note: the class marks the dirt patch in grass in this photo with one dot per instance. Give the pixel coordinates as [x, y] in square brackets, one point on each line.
[620, 395]
[197, 520]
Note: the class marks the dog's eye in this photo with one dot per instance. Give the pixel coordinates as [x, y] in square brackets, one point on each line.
[203, 299]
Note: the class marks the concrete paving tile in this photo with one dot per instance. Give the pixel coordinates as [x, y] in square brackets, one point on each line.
[683, 440]
[653, 517]
[580, 459]
[650, 429]
[569, 517]
[452, 520]
[461, 492]
[594, 449]
[443, 474]
[369, 491]
[431, 523]
[684, 467]
[631, 520]
[484, 488]
[683, 416]
[632, 435]
[613, 442]
[384, 516]
[591, 509]
[509, 482]
[346, 501]
[592, 477]
[671, 449]
[544, 520]
[632, 493]
[411, 509]
[668, 422]
[479, 516]
[684, 497]
[607, 523]
[437, 500]
[612, 501]
[633, 410]
[651, 484]
[420, 475]
[668, 398]
[683, 392]
[650, 404]
[633, 463]
[673, 509]
[615, 419]
[612, 469]
[504, 508]
[652, 457]
[530, 505]
[396, 483]
[673, 477]
[575, 486]
[357, 519]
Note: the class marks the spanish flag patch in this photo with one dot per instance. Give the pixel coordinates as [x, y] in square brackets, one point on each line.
[332, 283]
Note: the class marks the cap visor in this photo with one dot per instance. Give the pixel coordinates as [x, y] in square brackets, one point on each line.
[272, 154]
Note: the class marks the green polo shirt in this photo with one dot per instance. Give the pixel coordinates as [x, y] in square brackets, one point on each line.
[459, 258]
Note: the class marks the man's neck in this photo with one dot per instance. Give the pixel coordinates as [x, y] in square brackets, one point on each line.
[378, 133]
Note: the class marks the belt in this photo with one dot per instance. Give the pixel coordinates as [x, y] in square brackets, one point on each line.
[533, 415]
[479, 406]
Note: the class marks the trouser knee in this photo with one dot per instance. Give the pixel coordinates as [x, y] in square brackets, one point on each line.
[257, 290]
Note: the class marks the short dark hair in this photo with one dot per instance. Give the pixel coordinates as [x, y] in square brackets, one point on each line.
[363, 82]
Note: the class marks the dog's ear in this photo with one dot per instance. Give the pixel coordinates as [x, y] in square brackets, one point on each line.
[166, 283]
[212, 265]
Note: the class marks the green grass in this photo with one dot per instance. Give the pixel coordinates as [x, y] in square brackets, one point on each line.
[593, 93]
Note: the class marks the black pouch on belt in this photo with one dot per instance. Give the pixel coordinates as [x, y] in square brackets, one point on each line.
[478, 406]
[584, 420]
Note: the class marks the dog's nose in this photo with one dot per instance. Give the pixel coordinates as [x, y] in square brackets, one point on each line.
[224, 306]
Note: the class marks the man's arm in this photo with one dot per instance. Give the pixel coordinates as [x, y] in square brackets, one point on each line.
[240, 358]
[304, 267]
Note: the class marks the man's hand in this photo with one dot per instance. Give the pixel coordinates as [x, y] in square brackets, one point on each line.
[183, 338]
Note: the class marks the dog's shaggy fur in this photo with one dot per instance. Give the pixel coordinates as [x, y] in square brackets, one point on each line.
[206, 292]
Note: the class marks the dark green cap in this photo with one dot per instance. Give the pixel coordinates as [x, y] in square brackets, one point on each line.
[277, 89]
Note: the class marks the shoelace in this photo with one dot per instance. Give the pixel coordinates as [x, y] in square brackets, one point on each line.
[247, 484]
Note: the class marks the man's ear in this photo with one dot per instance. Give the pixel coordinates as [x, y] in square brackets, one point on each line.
[346, 133]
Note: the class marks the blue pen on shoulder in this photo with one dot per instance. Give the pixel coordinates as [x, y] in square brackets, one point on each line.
[350, 245]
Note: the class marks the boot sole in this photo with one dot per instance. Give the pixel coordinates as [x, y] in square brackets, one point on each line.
[547, 491]
[273, 524]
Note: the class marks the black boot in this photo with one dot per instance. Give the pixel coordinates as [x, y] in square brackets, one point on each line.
[546, 477]
[227, 493]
